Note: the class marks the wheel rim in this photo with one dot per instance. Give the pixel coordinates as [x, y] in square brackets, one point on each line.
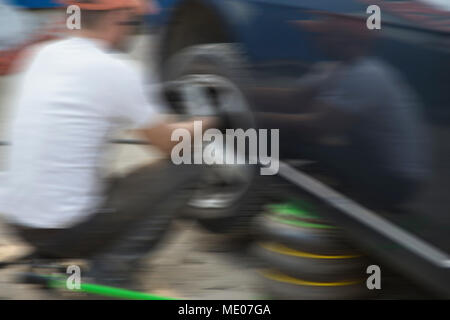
[221, 186]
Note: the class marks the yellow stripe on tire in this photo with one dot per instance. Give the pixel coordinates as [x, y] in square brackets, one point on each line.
[281, 249]
[280, 277]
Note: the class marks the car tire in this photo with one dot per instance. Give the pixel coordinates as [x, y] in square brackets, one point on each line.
[282, 286]
[224, 61]
[305, 265]
[303, 236]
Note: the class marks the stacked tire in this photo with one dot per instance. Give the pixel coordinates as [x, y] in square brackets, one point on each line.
[306, 257]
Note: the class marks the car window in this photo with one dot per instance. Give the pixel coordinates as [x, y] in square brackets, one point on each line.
[440, 4]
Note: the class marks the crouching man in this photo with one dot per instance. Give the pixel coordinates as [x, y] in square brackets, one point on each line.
[74, 97]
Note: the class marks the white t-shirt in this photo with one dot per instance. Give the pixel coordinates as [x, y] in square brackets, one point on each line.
[74, 96]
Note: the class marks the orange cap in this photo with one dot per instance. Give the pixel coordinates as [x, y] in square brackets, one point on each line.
[141, 6]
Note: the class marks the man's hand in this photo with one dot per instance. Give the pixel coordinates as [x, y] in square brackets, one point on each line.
[160, 135]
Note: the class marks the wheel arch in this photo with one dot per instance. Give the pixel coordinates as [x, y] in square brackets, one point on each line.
[193, 22]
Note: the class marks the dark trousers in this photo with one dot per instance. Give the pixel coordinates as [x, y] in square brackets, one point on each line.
[137, 213]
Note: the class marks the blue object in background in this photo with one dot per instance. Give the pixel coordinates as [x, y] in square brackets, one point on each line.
[36, 4]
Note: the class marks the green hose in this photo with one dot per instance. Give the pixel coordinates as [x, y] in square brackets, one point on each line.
[60, 283]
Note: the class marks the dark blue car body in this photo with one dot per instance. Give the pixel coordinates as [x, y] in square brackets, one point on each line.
[36, 4]
[414, 38]
[276, 48]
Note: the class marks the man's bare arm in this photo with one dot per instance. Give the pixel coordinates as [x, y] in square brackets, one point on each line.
[160, 134]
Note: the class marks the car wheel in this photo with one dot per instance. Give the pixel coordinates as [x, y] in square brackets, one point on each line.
[215, 75]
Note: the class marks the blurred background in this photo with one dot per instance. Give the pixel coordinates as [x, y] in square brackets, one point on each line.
[379, 101]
